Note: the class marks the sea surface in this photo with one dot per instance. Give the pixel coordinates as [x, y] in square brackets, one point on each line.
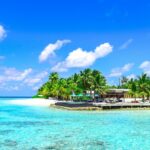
[41, 128]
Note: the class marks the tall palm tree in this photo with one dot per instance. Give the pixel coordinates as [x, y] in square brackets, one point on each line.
[148, 86]
[99, 83]
[54, 77]
[87, 78]
[143, 85]
[124, 80]
[44, 90]
[133, 86]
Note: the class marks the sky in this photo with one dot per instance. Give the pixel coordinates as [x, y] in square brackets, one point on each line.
[66, 36]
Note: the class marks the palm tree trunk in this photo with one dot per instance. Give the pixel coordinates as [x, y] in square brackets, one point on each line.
[135, 97]
[143, 98]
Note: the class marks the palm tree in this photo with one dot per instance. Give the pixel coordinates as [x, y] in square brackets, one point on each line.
[64, 89]
[124, 81]
[148, 86]
[143, 86]
[44, 90]
[72, 85]
[53, 77]
[132, 85]
[99, 83]
[86, 76]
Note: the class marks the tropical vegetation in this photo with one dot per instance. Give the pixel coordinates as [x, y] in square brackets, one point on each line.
[92, 81]
[138, 87]
[63, 88]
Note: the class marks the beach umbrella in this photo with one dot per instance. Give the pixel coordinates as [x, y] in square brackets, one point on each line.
[80, 95]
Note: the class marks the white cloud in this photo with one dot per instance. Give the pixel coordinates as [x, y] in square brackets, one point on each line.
[126, 44]
[59, 67]
[51, 48]
[36, 87]
[36, 81]
[12, 74]
[12, 79]
[13, 88]
[9, 87]
[81, 58]
[31, 81]
[131, 76]
[146, 67]
[2, 32]
[117, 72]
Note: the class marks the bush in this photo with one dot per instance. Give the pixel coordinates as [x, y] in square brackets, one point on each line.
[86, 98]
[38, 96]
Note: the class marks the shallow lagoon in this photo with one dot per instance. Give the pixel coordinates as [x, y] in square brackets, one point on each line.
[41, 128]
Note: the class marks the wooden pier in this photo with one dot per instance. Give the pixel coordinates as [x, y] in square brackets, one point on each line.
[102, 106]
[122, 105]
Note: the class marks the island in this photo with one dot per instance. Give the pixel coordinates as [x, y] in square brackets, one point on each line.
[89, 90]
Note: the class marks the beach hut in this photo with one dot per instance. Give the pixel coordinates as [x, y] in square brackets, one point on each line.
[115, 94]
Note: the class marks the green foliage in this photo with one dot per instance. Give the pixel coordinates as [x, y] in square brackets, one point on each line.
[62, 88]
[38, 96]
[139, 87]
[86, 98]
[91, 80]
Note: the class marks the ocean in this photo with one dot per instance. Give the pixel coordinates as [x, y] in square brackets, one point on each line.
[43, 128]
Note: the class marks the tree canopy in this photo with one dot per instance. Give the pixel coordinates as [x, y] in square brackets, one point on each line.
[139, 87]
[62, 88]
[92, 80]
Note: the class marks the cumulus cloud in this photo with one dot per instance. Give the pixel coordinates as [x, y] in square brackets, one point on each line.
[51, 48]
[35, 88]
[9, 87]
[3, 33]
[35, 81]
[80, 58]
[131, 76]
[12, 79]
[12, 74]
[117, 72]
[31, 81]
[145, 66]
[126, 44]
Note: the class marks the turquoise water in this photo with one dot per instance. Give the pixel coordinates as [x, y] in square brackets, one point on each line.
[35, 128]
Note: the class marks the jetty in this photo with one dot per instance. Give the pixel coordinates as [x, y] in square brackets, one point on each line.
[102, 106]
[122, 105]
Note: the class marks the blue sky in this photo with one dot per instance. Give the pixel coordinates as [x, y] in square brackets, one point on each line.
[38, 37]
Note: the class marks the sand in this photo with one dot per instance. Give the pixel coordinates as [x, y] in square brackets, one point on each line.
[33, 102]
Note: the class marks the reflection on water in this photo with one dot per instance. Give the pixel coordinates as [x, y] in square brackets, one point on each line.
[38, 128]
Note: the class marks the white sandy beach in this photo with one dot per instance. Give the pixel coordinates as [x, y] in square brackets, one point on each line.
[33, 102]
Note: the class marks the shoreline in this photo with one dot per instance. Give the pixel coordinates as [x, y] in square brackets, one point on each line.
[76, 108]
[33, 102]
[41, 102]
